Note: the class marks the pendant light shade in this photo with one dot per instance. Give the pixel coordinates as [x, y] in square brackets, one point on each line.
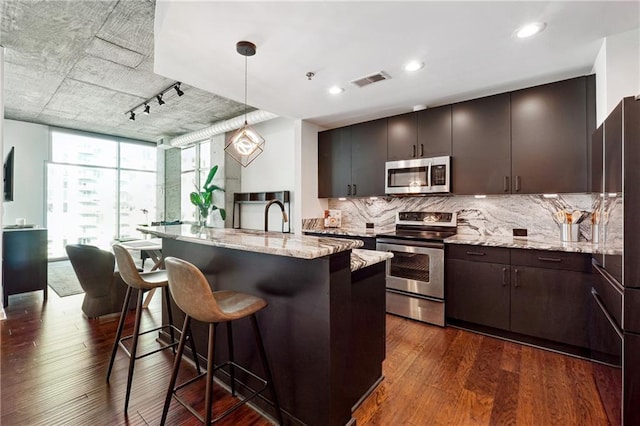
[245, 144]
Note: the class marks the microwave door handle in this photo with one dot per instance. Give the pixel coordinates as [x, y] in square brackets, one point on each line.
[429, 174]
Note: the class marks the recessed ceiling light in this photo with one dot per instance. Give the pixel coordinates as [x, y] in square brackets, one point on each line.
[413, 66]
[531, 29]
[335, 90]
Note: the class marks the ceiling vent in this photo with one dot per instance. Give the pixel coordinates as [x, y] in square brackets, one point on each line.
[370, 79]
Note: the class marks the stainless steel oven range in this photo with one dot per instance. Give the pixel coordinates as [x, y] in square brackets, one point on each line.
[415, 274]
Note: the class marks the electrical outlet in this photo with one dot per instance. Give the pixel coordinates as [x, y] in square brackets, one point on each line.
[519, 232]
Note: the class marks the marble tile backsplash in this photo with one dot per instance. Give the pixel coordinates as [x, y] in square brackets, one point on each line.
[491, 216]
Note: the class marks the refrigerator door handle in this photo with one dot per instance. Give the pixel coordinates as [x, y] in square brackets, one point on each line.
[596, 296]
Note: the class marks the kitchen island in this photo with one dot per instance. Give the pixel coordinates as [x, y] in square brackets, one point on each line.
[324, 328]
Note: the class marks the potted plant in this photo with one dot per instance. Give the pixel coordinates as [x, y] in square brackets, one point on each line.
[202, 198]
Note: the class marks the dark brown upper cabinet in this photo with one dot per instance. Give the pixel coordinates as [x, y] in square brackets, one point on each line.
[421, 134]
[613, 151]
[531, 141]
[434, 132]
[481, 146]
[334, 162]
[368, 155]
[351, 160]
[549, 137]
[402, 143]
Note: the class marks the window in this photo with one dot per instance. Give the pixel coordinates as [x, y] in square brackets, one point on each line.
[192, 177]
[99, 189]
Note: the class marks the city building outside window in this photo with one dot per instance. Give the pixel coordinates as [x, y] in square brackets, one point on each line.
[195, 165]
[98, 189]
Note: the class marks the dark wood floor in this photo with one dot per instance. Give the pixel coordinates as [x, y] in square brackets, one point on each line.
[53, 365]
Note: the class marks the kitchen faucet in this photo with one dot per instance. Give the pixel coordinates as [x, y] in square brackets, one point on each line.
[266, 214]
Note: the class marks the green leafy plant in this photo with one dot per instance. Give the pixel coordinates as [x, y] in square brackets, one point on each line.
[202, 198]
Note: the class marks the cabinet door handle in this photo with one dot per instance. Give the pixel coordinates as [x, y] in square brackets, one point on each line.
[517, 183]
[348, 189]
[414, 151]
[549, 259]
[504, 277]
[355, 189]
[506, 184]
[476, 253]
[421, 150]
[515, 281]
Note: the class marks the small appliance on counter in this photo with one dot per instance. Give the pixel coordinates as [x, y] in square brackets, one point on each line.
[332, 218]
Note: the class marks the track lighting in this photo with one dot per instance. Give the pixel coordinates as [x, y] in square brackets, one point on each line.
[146, 107]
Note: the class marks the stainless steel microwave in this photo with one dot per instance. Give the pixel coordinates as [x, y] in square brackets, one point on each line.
[420, 176]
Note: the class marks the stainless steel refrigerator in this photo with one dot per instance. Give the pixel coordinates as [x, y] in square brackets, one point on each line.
[615, 321]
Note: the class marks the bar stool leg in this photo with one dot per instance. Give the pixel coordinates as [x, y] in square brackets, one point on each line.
[267, 370]
[167, 299]
[231, 367]
[134, 348]
[176, 368]
[192, 343]
[208, 399]
[123, 317]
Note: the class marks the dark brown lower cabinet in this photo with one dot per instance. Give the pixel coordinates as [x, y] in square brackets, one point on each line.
[550, 304]
[24, 257]
[544, 302]
[478, 292]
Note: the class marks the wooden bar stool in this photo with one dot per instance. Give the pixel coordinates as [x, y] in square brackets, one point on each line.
[142, 282]
[192, 294]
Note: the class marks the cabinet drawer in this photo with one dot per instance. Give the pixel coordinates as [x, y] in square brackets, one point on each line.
[579, 262]
[478, 253]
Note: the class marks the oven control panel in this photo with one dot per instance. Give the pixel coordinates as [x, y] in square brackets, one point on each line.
[427, 218]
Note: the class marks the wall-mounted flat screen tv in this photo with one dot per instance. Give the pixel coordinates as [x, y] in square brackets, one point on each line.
[8, 176]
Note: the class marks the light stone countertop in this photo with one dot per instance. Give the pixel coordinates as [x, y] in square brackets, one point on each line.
[361, 258]
[490, 241]
[358, 231]
[299, 246]
[528, 243]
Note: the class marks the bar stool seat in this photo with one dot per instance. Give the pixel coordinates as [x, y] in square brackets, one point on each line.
[191, 292]
[142, 282]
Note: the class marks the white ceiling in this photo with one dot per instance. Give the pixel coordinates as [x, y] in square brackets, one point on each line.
[469, 50]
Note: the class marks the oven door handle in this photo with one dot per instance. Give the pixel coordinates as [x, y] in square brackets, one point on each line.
[399, 245]
[404, 254]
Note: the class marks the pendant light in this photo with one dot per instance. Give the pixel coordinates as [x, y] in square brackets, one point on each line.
[245, 144]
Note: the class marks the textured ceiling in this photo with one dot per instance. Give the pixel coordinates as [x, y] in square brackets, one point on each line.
[84, 64]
